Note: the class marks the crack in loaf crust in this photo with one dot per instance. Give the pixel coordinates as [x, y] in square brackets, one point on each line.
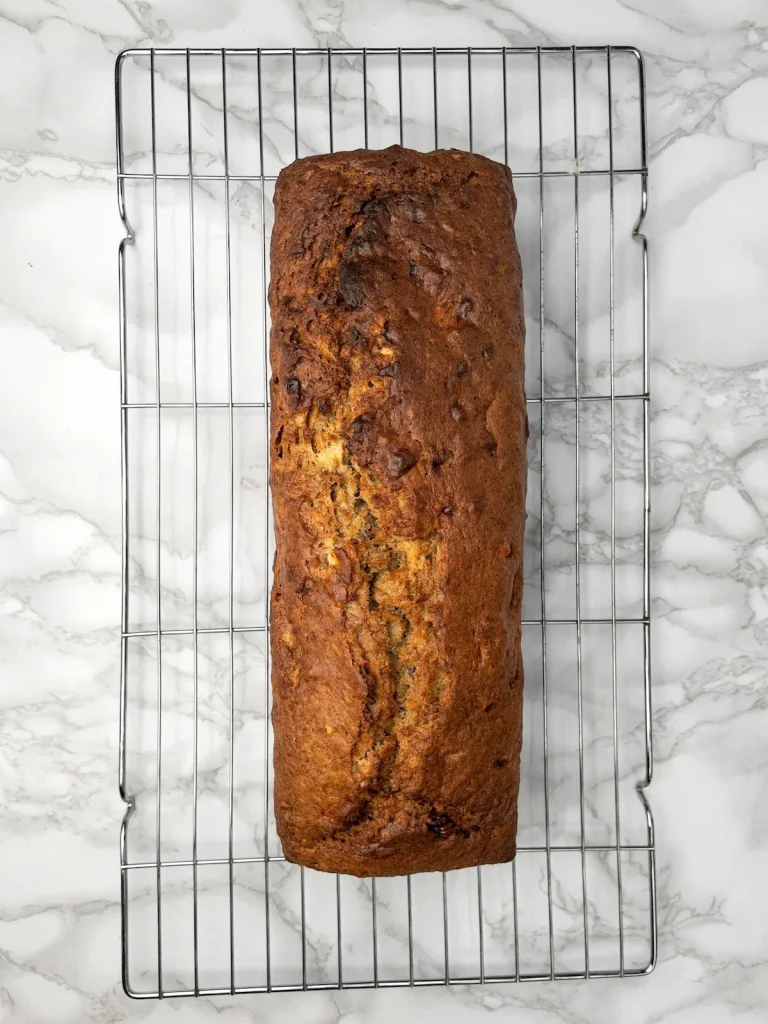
[398, 477]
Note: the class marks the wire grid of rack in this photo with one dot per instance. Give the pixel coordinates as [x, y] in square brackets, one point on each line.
[209, 905]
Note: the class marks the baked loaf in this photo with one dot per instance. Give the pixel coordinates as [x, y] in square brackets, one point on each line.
[398, 474]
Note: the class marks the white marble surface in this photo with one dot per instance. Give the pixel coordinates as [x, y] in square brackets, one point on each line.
[59, 475]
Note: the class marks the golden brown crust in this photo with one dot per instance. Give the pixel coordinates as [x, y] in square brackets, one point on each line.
[398, 477]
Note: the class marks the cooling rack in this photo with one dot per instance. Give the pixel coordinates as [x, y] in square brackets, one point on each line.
[209, 905]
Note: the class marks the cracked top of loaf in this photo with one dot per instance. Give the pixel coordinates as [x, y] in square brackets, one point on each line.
[398, 471]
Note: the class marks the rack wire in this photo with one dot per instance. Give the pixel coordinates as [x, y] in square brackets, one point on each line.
[209, 905]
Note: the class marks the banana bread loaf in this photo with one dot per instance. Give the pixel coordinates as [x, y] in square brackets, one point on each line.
[398, 473]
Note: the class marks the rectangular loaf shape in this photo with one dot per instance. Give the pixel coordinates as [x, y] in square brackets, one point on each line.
[398, 474]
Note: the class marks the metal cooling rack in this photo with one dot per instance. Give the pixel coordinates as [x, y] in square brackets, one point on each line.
[209, 906]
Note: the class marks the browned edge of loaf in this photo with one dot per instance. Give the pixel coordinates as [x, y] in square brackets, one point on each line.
[398, 474]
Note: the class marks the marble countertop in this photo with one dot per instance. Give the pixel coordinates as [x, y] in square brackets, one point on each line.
[707, 67]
